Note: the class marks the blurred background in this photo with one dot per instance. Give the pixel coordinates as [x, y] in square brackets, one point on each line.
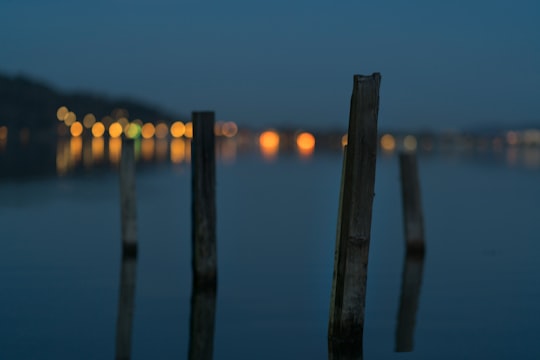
[459, 88]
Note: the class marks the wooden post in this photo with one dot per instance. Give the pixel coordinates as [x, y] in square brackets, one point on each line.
[408, 304]
[203, 200]
[347, 305]
[126, 305]
[412, 206]
[201, 326]
[128, 198]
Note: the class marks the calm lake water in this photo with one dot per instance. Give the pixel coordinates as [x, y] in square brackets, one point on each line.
[60, 260]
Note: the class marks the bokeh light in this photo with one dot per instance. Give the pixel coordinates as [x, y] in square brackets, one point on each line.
[148, 131]
[178, 129]
[269, 143]
[229, 129]
[70, 118]
[76, 129]
[305, 143]
[89, 120]
[115, 130]
[162, 131]
[133, 131]
[409, 143]
[344, 140]
[61, 113]
[98, 129]
[189, 130]
[388, 142]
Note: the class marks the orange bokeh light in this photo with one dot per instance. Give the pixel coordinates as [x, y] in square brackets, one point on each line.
[178, 129]
[148, 131]
[269, 142]
[116, 130]
[76, 129]
[305, 142]
[98, 129]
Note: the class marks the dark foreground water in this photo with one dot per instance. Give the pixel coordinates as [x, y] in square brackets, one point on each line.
[60, 262]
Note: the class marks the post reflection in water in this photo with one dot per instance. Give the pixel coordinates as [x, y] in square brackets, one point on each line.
[126, 305]
[202, 322]
[409, 300]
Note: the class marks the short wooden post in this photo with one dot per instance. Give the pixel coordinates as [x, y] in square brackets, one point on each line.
[128, 198]
[408, 304]
[126, 305]
[203, 200]
[413, 218]
[202, 321]
[347, 305]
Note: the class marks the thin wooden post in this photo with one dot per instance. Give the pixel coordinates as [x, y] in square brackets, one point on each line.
[128, 198]
[203, 200]
[413, 218]
[126, 306]
[347, 305]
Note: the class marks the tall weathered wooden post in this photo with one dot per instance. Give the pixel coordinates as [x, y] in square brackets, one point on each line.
[128, 208]
[203, 186]
[203, 298]
[347, 305]
[128, 211]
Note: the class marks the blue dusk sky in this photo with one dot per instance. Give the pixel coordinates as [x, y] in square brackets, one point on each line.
[444, 64]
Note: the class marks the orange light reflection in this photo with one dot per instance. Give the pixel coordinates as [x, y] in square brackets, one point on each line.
[178, 151]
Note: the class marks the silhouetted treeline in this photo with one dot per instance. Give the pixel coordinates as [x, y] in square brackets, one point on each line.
[27, 103]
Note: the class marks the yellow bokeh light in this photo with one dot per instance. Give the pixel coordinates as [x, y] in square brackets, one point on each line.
[409, 143]
[189, 130]
[98, 129]
[3, 132]
[148, 131]
[162, 131]
[76, 129]
[115, 130]
[305, 143]
[178, 129]
[70, 118]
[61, 113]
[138, 122]
[229, 129]
[89, 120]
[388, 142]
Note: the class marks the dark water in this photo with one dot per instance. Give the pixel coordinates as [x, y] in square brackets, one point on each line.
[60, 261]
